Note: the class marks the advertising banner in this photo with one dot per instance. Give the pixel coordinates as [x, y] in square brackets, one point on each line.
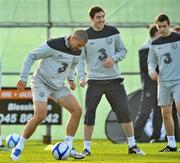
[17, 108]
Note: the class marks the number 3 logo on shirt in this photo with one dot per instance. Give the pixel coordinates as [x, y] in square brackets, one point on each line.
[168, 58]
[103, 54]
[62, 68]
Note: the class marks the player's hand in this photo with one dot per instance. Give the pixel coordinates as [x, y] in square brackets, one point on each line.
[21, 85]
[72, 84]
[154, 75]
[108, 63]
[82, 83]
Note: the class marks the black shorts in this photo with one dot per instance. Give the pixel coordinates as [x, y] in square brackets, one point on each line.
[114, 92]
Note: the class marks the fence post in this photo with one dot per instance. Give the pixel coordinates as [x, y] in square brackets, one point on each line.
[47, 137]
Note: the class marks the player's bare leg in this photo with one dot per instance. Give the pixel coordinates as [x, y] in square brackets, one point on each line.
[71, 104]
[169, 126]
[40, 113]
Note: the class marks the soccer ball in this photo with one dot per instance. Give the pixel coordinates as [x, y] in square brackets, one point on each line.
[61, 151]
[12, 140]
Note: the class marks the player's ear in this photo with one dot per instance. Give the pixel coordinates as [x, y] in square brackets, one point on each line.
[73, 38]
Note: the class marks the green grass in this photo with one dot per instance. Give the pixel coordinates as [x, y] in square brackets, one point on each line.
[103, 151]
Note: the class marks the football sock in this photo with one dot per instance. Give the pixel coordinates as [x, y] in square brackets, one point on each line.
[21, 143]
[87, 145]
[131, 141]
[171, 141]
[69, 141]
[0, 140]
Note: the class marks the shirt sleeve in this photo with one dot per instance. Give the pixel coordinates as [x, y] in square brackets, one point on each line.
[36, 54]
[81, 65]
[71, 73]
[152, 60]
[120, 50]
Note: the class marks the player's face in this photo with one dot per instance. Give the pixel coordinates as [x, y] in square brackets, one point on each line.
[76, 44]
[98, 21]
[163, 28]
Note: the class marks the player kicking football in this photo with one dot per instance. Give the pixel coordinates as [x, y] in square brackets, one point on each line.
[58, 58]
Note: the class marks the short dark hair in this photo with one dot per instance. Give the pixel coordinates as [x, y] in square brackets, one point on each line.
[94, 10]
[81, 35]
[162, 18]
[152, 30]
[176, 28]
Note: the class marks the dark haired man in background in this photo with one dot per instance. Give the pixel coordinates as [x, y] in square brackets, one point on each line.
[164, 53]
[102, 54]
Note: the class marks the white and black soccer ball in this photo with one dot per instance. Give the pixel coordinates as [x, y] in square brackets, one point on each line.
[61, 151]
[12, 140]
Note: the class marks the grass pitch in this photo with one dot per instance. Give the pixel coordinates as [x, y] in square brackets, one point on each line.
[103, 151]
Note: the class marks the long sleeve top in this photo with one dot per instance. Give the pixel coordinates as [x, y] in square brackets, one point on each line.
[57, 63]
[165, 52]
[101, 45]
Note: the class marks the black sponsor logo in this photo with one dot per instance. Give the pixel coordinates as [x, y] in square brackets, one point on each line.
[62, 68]
[103, 54]
[168, 58]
